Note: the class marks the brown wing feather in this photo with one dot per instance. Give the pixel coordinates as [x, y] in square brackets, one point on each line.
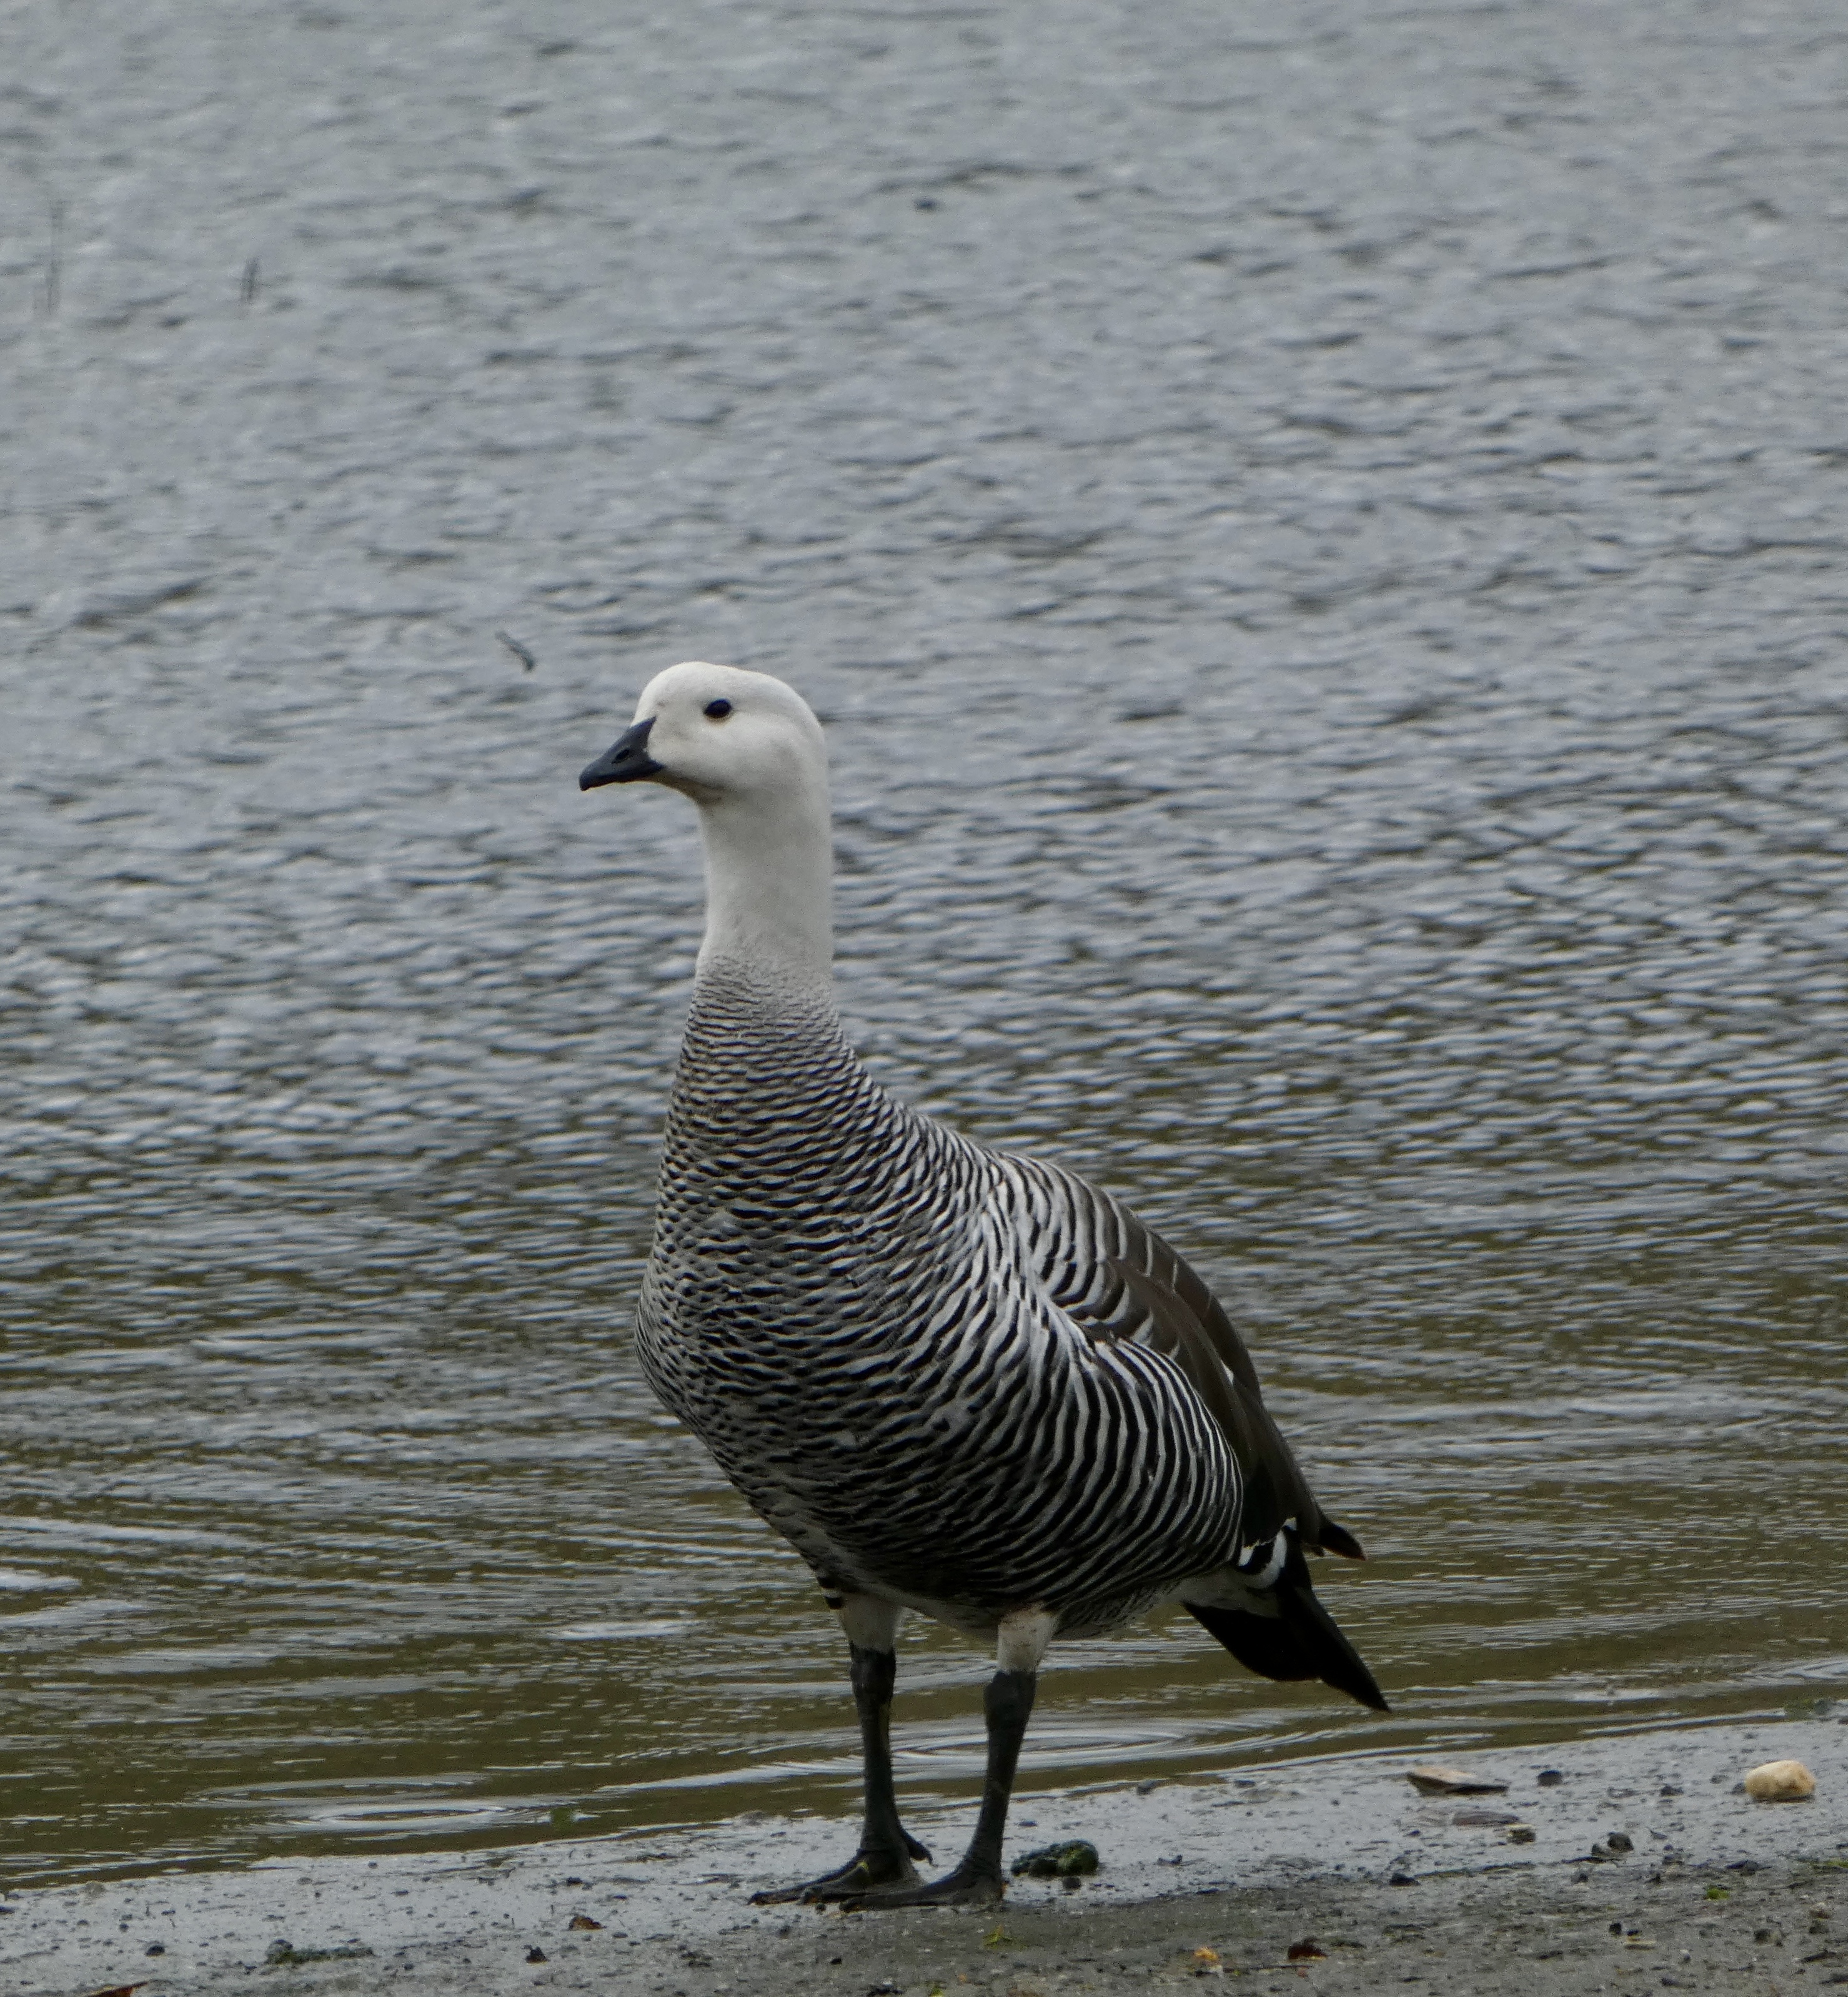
[1145, 1292]
[1153, 1296]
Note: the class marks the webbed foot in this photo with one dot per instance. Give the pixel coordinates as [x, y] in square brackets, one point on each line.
[967, 1886]
[866, 1872]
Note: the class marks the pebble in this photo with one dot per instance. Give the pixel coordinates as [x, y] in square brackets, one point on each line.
[1076, 1857]
[1781, 1782]
[1454, 1782]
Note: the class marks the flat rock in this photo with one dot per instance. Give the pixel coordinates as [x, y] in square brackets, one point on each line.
[1436, 1781]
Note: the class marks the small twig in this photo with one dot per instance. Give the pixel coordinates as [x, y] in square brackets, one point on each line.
[54, 260]
[518, 650]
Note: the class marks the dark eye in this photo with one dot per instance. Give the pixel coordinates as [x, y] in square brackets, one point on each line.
[716, 710]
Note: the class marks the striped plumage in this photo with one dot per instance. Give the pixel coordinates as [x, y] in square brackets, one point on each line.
[854, 1308]
[958, 1382]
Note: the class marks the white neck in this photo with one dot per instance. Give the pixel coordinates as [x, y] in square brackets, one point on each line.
[769, 867]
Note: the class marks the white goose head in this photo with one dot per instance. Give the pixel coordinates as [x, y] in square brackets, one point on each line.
[749, 753]
[719, 734]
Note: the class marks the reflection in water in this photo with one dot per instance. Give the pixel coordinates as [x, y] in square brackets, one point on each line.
[1319, 562]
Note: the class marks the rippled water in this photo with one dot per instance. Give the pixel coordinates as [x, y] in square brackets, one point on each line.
[1319, 539]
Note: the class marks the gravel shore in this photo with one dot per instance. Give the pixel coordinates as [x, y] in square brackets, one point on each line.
[1649, 1868]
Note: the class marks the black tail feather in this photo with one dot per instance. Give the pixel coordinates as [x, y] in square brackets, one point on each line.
[1335, 1660]
[1337, 1540]
[1262, 1644]
[1301, 1641]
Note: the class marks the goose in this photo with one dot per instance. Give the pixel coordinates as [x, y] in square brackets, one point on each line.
[961, 1383]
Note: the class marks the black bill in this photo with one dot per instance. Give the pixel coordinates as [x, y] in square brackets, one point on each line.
[626, 760]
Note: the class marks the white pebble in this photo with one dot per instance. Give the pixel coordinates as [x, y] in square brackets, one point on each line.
[1781, 1782]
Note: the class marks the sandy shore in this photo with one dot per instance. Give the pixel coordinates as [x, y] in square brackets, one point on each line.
[1202, 1883]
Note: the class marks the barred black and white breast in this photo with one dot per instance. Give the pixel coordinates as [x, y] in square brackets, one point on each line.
[904, 1348]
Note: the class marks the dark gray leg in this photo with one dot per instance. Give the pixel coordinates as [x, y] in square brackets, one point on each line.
[882, 1836]
[886, 1851]
[1007, 1706]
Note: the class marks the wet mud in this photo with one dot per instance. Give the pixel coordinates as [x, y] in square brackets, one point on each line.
[1648, 1867]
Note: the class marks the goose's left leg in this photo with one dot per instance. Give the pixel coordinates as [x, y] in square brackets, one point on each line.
[886, 1848]
[1007, 1705]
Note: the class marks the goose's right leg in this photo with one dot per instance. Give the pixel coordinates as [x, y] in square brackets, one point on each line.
[886, 1850]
